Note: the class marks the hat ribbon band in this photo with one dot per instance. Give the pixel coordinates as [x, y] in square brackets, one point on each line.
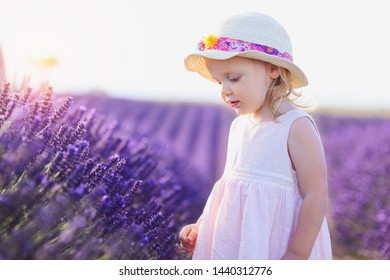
[212, 42]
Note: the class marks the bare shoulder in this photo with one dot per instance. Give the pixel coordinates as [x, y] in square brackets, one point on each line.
[305, 146]
[303, 131]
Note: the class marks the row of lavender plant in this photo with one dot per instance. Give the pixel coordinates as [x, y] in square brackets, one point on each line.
[73, 186]
[358, 155]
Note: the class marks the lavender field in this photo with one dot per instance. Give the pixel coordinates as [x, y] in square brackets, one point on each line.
[93, 177]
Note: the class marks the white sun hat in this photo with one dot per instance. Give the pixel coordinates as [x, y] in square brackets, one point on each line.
[252, 35]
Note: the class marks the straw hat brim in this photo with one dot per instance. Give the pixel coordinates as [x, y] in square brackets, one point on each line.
[195, 62]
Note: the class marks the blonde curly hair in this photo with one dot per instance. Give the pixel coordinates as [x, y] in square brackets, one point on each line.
[282, 89]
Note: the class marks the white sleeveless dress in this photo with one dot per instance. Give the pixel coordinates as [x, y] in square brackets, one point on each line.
[253, 209]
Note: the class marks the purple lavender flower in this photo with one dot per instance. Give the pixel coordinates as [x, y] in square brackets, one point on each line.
[359, 167]
[75, 185]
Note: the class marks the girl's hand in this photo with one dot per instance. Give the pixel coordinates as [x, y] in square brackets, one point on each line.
[187, 238]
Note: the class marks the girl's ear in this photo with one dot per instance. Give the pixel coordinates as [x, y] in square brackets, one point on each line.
[274, 71]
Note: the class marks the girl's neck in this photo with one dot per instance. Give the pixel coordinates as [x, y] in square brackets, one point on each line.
[262, 115]
[265, 114]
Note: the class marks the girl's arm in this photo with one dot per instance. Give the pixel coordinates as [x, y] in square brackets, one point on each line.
[307, 155]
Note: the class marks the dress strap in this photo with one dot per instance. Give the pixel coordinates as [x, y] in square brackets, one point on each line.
[293, 115]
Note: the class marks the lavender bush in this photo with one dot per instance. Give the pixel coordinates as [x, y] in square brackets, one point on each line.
[358, 155]
[73, 186]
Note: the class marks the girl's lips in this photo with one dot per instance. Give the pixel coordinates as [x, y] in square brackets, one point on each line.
[234, 104]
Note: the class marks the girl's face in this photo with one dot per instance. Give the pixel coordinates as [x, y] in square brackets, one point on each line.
[245, 83]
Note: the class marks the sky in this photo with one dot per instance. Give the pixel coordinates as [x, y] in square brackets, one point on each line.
[135, 48]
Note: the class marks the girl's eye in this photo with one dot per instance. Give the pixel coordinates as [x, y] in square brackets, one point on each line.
[234, 78]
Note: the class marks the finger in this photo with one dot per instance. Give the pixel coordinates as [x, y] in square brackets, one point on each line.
[184, 240]
[188, 252]
[186, 246]
[184, 233]
[192, 235]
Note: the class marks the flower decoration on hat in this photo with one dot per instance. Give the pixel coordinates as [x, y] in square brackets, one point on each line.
[210, 41]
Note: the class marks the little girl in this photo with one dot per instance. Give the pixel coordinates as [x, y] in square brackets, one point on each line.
[271, 200]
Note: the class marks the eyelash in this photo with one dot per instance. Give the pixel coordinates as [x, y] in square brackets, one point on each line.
[236, 79]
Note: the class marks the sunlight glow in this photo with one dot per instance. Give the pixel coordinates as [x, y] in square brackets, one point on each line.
[137, 52]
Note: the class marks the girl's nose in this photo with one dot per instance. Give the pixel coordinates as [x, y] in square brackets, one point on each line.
[225, 90]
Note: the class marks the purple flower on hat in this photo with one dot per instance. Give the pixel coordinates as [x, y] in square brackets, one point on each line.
[271, 50]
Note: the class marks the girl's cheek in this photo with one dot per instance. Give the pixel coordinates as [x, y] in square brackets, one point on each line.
[223, 97]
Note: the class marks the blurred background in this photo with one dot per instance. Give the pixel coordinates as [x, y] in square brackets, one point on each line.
[125, 58]
[135, 49]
